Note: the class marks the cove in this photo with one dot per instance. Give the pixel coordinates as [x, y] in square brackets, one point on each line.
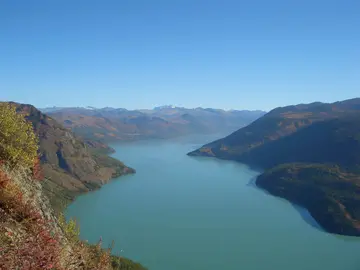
[185, 213]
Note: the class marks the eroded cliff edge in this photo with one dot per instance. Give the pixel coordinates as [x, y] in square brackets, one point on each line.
[71, 165]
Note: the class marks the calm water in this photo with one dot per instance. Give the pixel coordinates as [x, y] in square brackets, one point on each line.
[184, 213]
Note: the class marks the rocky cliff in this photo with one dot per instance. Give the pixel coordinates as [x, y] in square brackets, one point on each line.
[70, 165]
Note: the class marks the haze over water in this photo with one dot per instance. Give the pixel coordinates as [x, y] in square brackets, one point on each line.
[185, 213]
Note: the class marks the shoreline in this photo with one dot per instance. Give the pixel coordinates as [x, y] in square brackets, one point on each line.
[308, 216]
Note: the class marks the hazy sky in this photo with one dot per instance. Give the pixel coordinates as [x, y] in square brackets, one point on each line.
[142, 53]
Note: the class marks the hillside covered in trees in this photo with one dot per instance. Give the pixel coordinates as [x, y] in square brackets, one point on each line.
[310, 154]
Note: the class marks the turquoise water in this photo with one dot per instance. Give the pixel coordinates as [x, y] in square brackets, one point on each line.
[184, 213]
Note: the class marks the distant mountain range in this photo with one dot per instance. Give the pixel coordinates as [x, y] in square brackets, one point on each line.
[111, 124]
[311, 156]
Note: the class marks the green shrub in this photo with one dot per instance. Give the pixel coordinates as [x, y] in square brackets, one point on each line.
[18, 142]
[70, 229]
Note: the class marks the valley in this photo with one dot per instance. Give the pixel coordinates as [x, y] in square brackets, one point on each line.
[305, 153]
[165, 122]
[181, 212]
[179, 135]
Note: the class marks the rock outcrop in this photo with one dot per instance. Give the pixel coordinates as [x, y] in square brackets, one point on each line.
[70, 165]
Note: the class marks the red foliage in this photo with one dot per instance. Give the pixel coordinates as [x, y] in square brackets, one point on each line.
[37, 246]
[4, 179]
[41, 250]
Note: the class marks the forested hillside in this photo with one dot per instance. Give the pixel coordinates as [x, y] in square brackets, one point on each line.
[311, 156]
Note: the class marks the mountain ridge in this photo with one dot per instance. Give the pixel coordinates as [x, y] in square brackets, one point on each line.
[156, 108]
[109, 125]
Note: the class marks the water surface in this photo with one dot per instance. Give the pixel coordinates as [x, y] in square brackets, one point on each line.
[185, 213]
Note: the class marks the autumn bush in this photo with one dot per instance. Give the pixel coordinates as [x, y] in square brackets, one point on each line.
[4, 180]
[29, 240]
[18, 142]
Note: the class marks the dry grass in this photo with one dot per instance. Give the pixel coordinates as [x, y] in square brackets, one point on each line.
[31, 237]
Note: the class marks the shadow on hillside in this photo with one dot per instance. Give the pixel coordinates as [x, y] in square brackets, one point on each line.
[304, 213]
[307, 217]
[252, 183]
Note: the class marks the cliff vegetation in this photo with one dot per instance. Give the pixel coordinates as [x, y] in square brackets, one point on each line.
[32, 235]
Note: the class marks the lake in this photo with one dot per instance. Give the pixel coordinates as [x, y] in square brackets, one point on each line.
[186, 213]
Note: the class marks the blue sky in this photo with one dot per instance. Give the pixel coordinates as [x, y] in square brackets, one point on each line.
[141, 53]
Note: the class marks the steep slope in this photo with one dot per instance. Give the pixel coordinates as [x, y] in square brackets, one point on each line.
[310, 154]
[70, 165]
[333, 141]
[32, 235]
